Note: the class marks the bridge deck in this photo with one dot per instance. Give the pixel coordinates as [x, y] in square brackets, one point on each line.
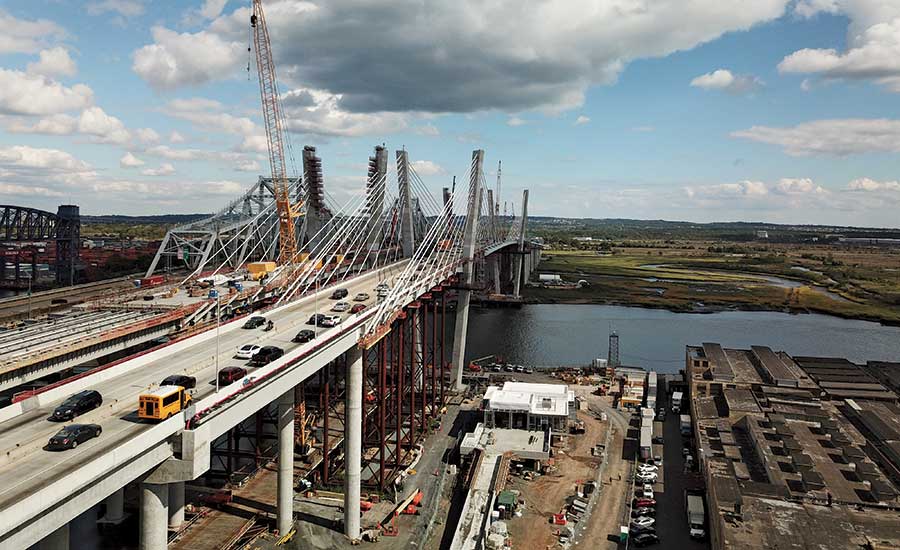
[25, 467]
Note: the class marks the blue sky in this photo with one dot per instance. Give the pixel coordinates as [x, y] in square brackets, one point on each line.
[772, 110]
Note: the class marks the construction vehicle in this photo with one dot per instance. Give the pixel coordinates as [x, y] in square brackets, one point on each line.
[274, 118]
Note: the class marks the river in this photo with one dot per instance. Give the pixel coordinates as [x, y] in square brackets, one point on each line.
[570, 334]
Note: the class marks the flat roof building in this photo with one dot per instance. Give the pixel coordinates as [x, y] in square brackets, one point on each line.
[526, 406]
[786, 461]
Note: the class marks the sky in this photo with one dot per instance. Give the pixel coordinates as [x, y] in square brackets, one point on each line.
[782, 111]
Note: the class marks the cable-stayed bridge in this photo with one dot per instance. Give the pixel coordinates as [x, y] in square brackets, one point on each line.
[370, 386]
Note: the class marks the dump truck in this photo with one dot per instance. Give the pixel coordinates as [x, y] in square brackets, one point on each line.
[696, 516]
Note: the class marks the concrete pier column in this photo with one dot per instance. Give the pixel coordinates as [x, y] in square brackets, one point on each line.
[176, 504]
[115, 507]
[286, 462]
[154, 516]
[57, 540]
[353, 443]
[495, 272]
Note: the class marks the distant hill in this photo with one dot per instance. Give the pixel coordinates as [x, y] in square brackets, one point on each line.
[164, 219]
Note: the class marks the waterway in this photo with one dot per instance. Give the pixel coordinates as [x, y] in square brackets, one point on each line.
[574, 334]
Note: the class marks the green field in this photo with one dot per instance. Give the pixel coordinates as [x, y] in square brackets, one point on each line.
[695, 280]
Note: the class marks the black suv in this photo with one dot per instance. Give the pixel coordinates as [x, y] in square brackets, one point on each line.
[255, 322]
[339, 293]
[266, 355]
[303, 336]
[77, 404]
[316, 319]
[186, 382]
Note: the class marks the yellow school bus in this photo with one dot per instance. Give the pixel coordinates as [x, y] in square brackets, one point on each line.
[163, 402]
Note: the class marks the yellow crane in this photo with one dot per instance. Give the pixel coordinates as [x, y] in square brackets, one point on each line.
[271, 106]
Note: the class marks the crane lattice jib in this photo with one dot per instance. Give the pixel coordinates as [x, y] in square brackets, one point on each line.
[268, 91]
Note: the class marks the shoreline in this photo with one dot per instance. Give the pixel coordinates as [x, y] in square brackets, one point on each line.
[709, 309]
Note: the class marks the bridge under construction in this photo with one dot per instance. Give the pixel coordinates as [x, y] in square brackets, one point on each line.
[352, 405]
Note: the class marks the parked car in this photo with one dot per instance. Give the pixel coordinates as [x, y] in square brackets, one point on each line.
[247, 351]
[266, 355]
[73, 434]
[304, 335]
[230, 374]
[647, 491]
[646, 478]
[645, 539]
[341, 306]
[648, 468]
[255, 322]
[643, 511]
[643, 521]
[357, 308]
[77, 404]
[316, 319]
[641, 502]
[186, 382]
[361, 297]
[635, 530]
[685, 451]
[339, 293]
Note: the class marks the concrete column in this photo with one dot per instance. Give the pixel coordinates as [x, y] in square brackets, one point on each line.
[495, 268]
[353, 443]
[470, 234]
[286, 462]
[57, 540]
[115, 507]
[176, 505]
[154, 516]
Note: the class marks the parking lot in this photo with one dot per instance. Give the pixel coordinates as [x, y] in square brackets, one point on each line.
[671, 517]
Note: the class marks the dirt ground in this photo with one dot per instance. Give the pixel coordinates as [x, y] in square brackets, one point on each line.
[547, 494]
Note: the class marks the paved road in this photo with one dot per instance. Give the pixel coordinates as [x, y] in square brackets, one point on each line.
[31, 468]
[671, 517]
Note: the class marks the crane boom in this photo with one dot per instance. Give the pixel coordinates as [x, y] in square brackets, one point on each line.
[271, 106]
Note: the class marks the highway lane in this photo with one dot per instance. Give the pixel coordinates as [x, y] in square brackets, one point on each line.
[34, 467]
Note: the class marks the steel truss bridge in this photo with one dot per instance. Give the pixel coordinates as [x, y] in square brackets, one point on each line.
[20, 225]
[371, 386]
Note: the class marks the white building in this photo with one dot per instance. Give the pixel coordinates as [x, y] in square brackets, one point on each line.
[525, 406]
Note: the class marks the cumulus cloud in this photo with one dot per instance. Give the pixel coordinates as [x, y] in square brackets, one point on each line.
[165, 169]
[427, 168]
[838, 137]
[723, 79]
[186, 59]
[24, 36]
[148, 135]
[745, 189]
[176, 137]
[247, 165]
[32, 94]
[873, 44]
[797, 186]
[581, 120]
[103, 127]
[533, 55]
[207, 115]
[516, 121]
[124, 8]
[870, 185]
[130, 161]
[54, 125]
[326, 117]
[53, 62]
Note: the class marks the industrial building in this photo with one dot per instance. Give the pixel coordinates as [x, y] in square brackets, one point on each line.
[787, 455]
[523, 406]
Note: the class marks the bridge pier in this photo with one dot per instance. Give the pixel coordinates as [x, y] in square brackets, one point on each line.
[57, 540]
[353, 443]
[285, 512]
[176, 505]
[154, 516]
[115, 507]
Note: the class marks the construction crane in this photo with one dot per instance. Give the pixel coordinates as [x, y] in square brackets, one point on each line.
[271, 106]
